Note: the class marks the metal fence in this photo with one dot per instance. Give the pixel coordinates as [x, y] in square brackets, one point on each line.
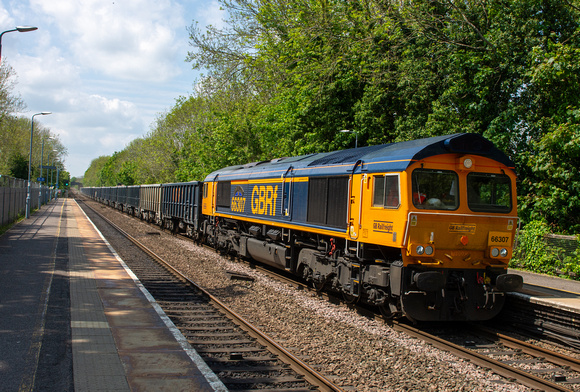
[13, 197]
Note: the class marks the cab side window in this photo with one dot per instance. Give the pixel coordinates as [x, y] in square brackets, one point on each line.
[487, 192]
[386, 191]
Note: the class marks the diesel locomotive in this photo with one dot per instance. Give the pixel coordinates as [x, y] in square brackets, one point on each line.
[422, 229]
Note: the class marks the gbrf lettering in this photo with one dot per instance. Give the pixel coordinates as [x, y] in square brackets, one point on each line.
[264, 199]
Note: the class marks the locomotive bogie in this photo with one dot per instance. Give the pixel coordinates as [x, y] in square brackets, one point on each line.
[458, 295]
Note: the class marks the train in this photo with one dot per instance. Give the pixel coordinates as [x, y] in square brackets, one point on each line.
[422, 229]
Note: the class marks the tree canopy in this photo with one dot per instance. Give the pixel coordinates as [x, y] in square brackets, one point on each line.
[284, 77]
[15, 136]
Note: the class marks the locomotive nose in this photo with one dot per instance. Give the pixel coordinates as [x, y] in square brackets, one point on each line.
[509, 282]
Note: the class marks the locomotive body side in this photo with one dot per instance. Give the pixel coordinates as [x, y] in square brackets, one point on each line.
[264, 217]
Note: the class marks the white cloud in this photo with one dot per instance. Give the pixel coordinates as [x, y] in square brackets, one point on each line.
[126, 39]
[91, 126]
[50, 72]
[213, 15]
[5, 19]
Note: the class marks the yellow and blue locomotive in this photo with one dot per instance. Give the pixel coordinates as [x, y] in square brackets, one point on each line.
[423, 229]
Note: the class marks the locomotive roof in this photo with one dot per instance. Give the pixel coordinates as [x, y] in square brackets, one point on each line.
[393, 157]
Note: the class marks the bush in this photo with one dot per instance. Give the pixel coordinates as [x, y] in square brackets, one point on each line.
[534, 254]
[571, 265]
[531, 252]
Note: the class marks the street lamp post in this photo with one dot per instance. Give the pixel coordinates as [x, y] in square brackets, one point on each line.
[30, 161]
[21, 29]
[355, 136]
[51, 163]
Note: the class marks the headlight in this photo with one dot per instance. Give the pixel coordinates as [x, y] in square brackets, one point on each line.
[495, 252]
[420, 250]
[503, 252]
[467, 162]
[428, 250]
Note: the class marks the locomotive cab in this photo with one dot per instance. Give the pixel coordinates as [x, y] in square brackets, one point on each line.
[459, 238]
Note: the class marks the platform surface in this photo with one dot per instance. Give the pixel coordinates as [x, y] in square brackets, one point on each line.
[550, 291]
[72, 317]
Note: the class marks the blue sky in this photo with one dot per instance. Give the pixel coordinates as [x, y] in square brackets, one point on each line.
[106, 69]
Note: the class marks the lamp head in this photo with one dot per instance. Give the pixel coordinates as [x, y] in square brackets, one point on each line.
[24, 29]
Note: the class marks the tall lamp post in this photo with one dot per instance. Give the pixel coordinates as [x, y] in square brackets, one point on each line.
[21, 29]
[30, 161]
[355, 136]
[51, 163]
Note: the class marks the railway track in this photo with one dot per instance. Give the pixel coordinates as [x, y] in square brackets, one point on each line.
[239, 353]
[503, 354]
[513, 359]
[547, 370]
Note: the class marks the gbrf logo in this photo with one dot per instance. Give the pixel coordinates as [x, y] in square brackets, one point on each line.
[264, 199]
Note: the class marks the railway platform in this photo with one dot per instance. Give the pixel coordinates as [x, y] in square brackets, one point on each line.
[72, 317]
[550, 291]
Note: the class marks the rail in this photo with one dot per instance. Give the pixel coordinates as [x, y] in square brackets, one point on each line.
[502, 368]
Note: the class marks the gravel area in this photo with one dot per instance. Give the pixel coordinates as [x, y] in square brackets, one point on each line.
[356, 353]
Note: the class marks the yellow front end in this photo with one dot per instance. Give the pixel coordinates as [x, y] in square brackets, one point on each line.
[459, 241]
[462, 215]
[454, 220]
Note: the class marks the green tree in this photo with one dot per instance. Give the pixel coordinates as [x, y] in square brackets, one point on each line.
[93, 175]
[555, 189]
[18, 166]
[9, 103]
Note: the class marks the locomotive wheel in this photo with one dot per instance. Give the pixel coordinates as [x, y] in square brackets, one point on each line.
[319, 285]
[349, 298]
[386, 311]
